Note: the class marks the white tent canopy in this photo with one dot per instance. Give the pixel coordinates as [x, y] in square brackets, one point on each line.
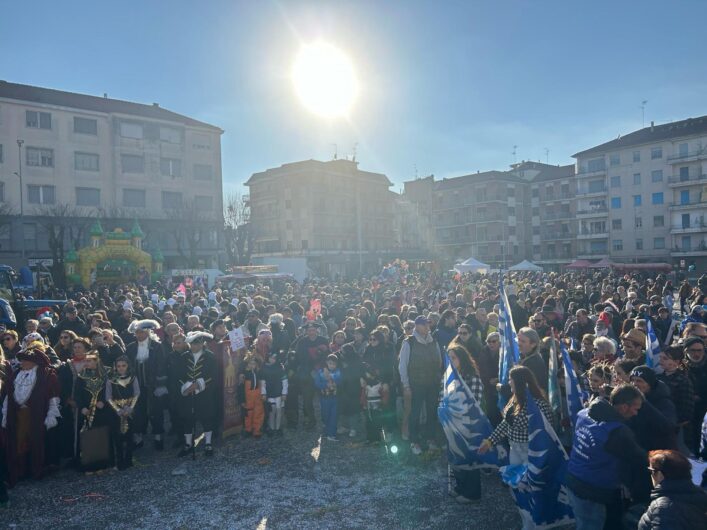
[526, 265]
[471, 265]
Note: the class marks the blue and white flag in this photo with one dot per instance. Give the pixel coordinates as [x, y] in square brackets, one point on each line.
[465, 425]
[540, 494]
[652, 345]
[509, 354]
[573, 390]
[553, 383]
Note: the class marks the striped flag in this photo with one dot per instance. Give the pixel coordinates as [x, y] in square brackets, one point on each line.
[540, 494]
[573, 391]
[465, 425]
[553, 385]
[509, 354]
[652, 346]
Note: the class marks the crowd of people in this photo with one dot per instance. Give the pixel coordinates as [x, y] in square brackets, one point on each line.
[84, 385]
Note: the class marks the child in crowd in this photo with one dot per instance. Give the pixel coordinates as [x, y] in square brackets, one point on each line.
[327, 380]
[373, 398]
[253, 397]
[122, 393]
[274, 388]
[349, 392]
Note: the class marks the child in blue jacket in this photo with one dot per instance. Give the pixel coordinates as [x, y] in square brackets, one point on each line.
[327, 380]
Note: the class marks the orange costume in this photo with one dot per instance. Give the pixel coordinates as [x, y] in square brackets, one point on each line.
[255, 409]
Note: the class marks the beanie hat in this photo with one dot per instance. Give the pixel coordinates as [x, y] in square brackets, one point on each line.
[646, 373]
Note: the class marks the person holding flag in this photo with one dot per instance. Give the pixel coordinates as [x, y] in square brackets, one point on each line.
[514, 426]
[465, 425]
[509, 353]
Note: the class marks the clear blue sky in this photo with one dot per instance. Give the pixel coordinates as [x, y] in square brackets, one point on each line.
[448, 87]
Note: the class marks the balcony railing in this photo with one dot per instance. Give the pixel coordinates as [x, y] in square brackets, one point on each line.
[679, 179]
[590, 191]
[592, 211]
[552, 216]
[692, 154]
[593, 233]
[692, 203]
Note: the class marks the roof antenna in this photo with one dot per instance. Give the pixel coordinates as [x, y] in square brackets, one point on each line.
[515, 158]
[354, 151]
[547, 156]
[643, 112]
[336, 151]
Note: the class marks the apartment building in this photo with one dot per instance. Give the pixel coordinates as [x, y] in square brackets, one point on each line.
[336, 217]
[112, 159]
[500, 217]
[643, 197]
[553, 214]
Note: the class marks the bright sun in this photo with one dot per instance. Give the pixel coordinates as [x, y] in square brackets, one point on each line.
[325, 80]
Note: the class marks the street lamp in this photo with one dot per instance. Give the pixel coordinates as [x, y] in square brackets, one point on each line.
[22, 204]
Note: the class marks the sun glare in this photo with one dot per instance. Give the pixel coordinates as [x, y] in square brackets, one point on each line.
[325, 80]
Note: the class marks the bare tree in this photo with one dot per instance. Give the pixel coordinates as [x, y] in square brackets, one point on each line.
[190, 226]
[238, 234]
[63, 222]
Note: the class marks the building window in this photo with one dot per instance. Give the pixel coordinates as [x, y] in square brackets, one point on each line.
[639, 244]
[683, 149]
[85, 126]
[38, 120]
[684, 173]
[40, 194]
[88, 197]
[656, 152]
[133, 198]
[203, 172]
[29, 232]
[636, 200]
[535, 192]
[636, 156]
[658, 221]
[638, 222]
[657, 175]
[204, 203]
[636, 179]
[511, 191]
[614, 160]
[617, 244]
[86, 161]
[131, 130]
[170, 135]
[171, 167]
[616, 224]
[658, 242]
[132, 163]
[657, 198]
[596, 164]
[616, 181]
[40, 157]
[171, 200]
[616, 203]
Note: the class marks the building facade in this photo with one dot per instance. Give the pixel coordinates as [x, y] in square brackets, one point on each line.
[500, 217]
[335, 216]
[643, 197]
[84, 156]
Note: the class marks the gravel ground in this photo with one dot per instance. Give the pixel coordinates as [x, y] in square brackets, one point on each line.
[291, 482]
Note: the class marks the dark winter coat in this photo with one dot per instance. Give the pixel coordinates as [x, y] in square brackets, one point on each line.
[676, 505]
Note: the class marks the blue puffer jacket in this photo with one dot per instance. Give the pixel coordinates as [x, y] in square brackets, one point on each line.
[676, 505]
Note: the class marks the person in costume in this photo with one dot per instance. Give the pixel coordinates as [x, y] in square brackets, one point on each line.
[253, 396]
[196, 376]
[29, 411]
[70, 423]
[122, 394]
[148, 358]
[91, 404]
